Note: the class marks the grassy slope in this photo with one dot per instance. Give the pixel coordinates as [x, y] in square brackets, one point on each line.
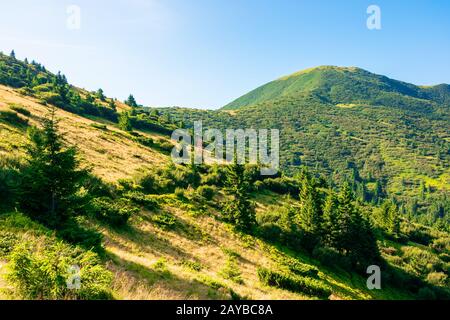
[111, 152]
[134, 254]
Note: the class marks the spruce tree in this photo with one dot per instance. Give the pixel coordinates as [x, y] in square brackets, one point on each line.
[330, 220]
[100, 94]
[309, 214]
[131, 101]
[389, 218]
[355, 237]
[239, 210]
[52, 176]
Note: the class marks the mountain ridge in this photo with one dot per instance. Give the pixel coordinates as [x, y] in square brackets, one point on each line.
[340, 85]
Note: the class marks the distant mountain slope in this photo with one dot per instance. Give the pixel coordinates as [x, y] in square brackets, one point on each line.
[391, 138]
[346, 85]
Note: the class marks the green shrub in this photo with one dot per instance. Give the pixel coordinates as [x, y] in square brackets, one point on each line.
[331, 258]
[114, 212]
[231, 271]
[160, 265]
[179, 193]
[12, 118]
[438, 279]
[44, 272]
[299, 268]
[142, 199]
[100, 126]
[20, 109]
[296, 283]
[206, 192]
[193, 265]
[230, 253]
[441, 245]
[420, 262]
[7, 242]
[164, 220]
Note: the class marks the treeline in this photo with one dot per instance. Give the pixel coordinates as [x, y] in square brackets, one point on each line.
[33, 79]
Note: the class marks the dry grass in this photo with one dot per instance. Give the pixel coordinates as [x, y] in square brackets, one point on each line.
[111, 153]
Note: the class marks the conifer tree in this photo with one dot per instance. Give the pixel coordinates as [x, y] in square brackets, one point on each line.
[100, 94]
[309, 214]
[330, 228]
[131, 101]
[52, 177]
[355, 237]
[239, 210]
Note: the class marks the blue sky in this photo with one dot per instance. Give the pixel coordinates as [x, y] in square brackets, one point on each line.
[205, 53]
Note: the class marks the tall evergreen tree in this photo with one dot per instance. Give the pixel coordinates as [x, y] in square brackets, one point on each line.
[355, 237]
[52, 177]
[239, 210]
[100, 94]
[309, 214]
[389, 218]
[330, 227]
[131, 101]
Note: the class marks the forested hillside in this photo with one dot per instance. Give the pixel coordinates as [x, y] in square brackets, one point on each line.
[389, 138]
[88, 190]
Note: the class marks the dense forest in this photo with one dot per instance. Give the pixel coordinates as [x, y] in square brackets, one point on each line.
[309, 232]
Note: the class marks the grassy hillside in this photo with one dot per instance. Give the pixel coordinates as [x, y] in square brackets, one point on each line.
[143, 228]
[346, 85]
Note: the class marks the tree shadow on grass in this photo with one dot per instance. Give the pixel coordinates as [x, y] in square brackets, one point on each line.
[147, 242]
[191, 289]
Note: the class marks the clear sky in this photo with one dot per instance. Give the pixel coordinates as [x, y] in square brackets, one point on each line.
[205, 53]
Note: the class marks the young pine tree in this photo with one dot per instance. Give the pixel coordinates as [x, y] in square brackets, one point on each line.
[355, 237]
[52, 177]
[309, 214]
[131, 101]
[239, 210]
[390, 218]
[330, 221]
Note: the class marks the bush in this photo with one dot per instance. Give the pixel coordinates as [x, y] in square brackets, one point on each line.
[45, 272]
[164, 220]
[298, 284]
[12, 118]
[420, 262]
[20, 109]
[441, 245]
[206, 192]
[142, 199]
[437, 279]
[7, 242]
[193, 265]
[179, 193]
[331, 258]
[231, 271]
[301, 269]
[279, 185]
[114, 212]
[216, 176]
